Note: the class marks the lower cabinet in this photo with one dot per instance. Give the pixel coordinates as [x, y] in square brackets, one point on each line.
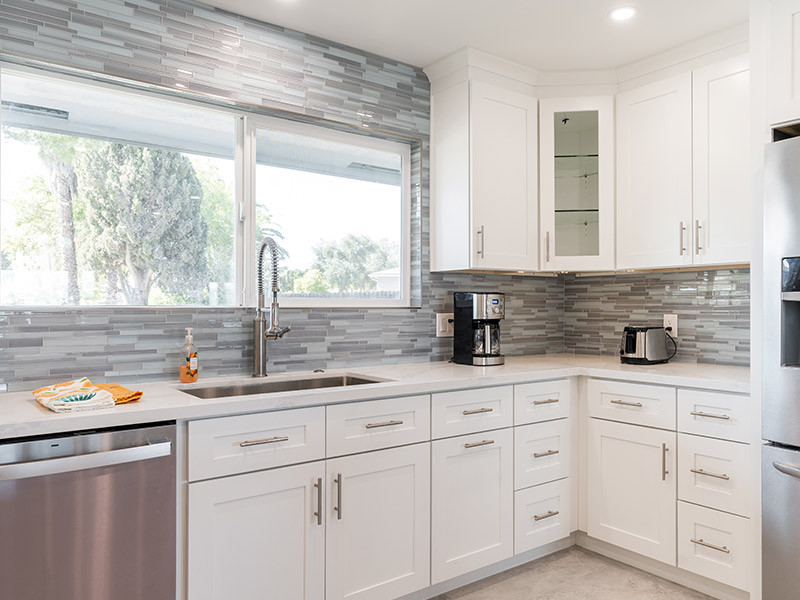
[257, 536]
[472, 502]
[541, 515]
[631, 488]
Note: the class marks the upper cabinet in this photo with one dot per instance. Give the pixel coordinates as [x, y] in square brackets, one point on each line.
[683, 170]
[783, 85]
[484, 209]
[576, 178]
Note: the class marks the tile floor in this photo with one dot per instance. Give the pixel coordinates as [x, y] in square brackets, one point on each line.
[574, 574]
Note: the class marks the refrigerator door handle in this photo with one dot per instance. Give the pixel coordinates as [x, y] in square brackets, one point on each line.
[787, 469]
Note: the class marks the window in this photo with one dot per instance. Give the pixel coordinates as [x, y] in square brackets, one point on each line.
[118, 197]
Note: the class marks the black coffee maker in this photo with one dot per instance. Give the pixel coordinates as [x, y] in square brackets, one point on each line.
[476, 328]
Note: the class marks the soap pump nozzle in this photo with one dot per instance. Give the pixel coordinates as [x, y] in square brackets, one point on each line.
[189, 337]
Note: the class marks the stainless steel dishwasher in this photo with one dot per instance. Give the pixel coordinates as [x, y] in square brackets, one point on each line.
[89, 516]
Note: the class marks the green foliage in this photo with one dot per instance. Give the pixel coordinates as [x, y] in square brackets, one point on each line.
[313, 281]
[217, 211]
[30, 240]
[347, 263]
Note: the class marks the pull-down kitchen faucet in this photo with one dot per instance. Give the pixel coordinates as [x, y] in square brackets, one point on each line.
[260, 331]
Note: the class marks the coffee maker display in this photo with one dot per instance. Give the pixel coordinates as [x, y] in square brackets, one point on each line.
[476, 328]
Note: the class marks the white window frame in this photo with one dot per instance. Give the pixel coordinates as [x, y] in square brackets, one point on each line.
[252, 123]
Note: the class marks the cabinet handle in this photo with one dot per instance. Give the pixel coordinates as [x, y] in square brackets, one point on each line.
[482, 233]
[272, 440]
[664, 471]
[384, 424]
[626, 403]
[682, 231]
[548, 401]
[709, 474]
[318, 514]
[476, 444]
[697, 228]
[547, 515]
[477, 411]
[702, 542]
[547, 246]
[545, 453]
[700, 413]
[787, 469]
[338, 507]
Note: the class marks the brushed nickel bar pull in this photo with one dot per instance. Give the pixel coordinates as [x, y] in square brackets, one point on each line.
[681, 232]
[384, 424]
[476, 444]
[548, 401]
[697, 228]
[547, 246]
[272, 440]
[702, 542]
[338, 507]
[709, 474]
[700, 413]
[547, 515]
[545, 453]
[626, 403]
[482, 250]
[664, 471]
[477, 411]
[318, 514]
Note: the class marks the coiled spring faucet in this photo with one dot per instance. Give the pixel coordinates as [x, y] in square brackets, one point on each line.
[261, 332]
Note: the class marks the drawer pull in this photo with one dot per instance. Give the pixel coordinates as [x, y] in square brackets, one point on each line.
[709, 474]
[547, 515]
[700, 413]
[272, 440]
[477, 411]
[545, 453]
[384, 424]
[476, 444]
[318, 514]
[701, 542]
[626, 403]
[664, 471]
[547, 401]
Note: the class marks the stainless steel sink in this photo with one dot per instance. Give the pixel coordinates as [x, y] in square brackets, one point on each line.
[279, 385]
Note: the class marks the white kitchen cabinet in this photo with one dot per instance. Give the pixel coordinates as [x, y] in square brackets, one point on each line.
[542, 453]
[783, 74]
[576, 179]
[542, 515]
[258, 535]
[484, 208]
[472, 503]
[654, 174]
[721, 156]
[378, 524]
[631, 490]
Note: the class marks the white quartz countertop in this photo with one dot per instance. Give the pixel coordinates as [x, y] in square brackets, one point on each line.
[21, 415]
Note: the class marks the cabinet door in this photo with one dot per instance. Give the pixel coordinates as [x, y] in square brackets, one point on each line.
[378, 528]
[472, 503]
[258, 535]
[503, 143]
[576, 163]
[654, 175]
[631, 488]
[722, 174]
[783, 85]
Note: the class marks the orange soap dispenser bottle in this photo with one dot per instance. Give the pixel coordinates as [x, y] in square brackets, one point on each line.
[188, 371]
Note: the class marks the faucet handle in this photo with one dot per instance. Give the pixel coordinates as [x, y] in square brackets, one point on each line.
[274, 334]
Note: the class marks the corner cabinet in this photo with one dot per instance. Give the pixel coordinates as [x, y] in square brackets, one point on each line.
[576, 167]
[484, 209]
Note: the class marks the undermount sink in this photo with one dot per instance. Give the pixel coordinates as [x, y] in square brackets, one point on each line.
[279, 385]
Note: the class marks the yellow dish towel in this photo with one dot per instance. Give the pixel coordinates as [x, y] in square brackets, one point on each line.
[82, 394]
[122, 395]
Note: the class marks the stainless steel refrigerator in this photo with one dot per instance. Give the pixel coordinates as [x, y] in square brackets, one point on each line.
[781, 372]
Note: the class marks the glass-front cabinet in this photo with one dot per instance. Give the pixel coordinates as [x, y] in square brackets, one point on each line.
[576, 175]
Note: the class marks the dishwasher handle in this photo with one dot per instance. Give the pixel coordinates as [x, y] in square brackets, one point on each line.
[81, 462]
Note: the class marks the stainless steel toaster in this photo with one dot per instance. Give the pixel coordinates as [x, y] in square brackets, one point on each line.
[646, 345]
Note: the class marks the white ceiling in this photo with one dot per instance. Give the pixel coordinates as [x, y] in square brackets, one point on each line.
[548, 35]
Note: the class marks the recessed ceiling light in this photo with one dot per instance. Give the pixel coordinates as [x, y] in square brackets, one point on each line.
[623, 13]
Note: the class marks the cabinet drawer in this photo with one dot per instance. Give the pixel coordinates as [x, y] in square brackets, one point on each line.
[361, 426]
[543, 401]
[470, 411]
[251, 442]
[541, 453]
[714, 544]
[714, 414]
[714, 473]
[541, 515]
[650, 405]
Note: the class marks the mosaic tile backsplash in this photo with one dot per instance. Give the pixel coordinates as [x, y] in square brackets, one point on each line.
[235, 58]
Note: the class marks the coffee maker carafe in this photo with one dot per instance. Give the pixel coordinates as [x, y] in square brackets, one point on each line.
[476, 328]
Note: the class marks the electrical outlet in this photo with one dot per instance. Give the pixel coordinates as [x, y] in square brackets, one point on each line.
[671, 321]
[444, 324]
